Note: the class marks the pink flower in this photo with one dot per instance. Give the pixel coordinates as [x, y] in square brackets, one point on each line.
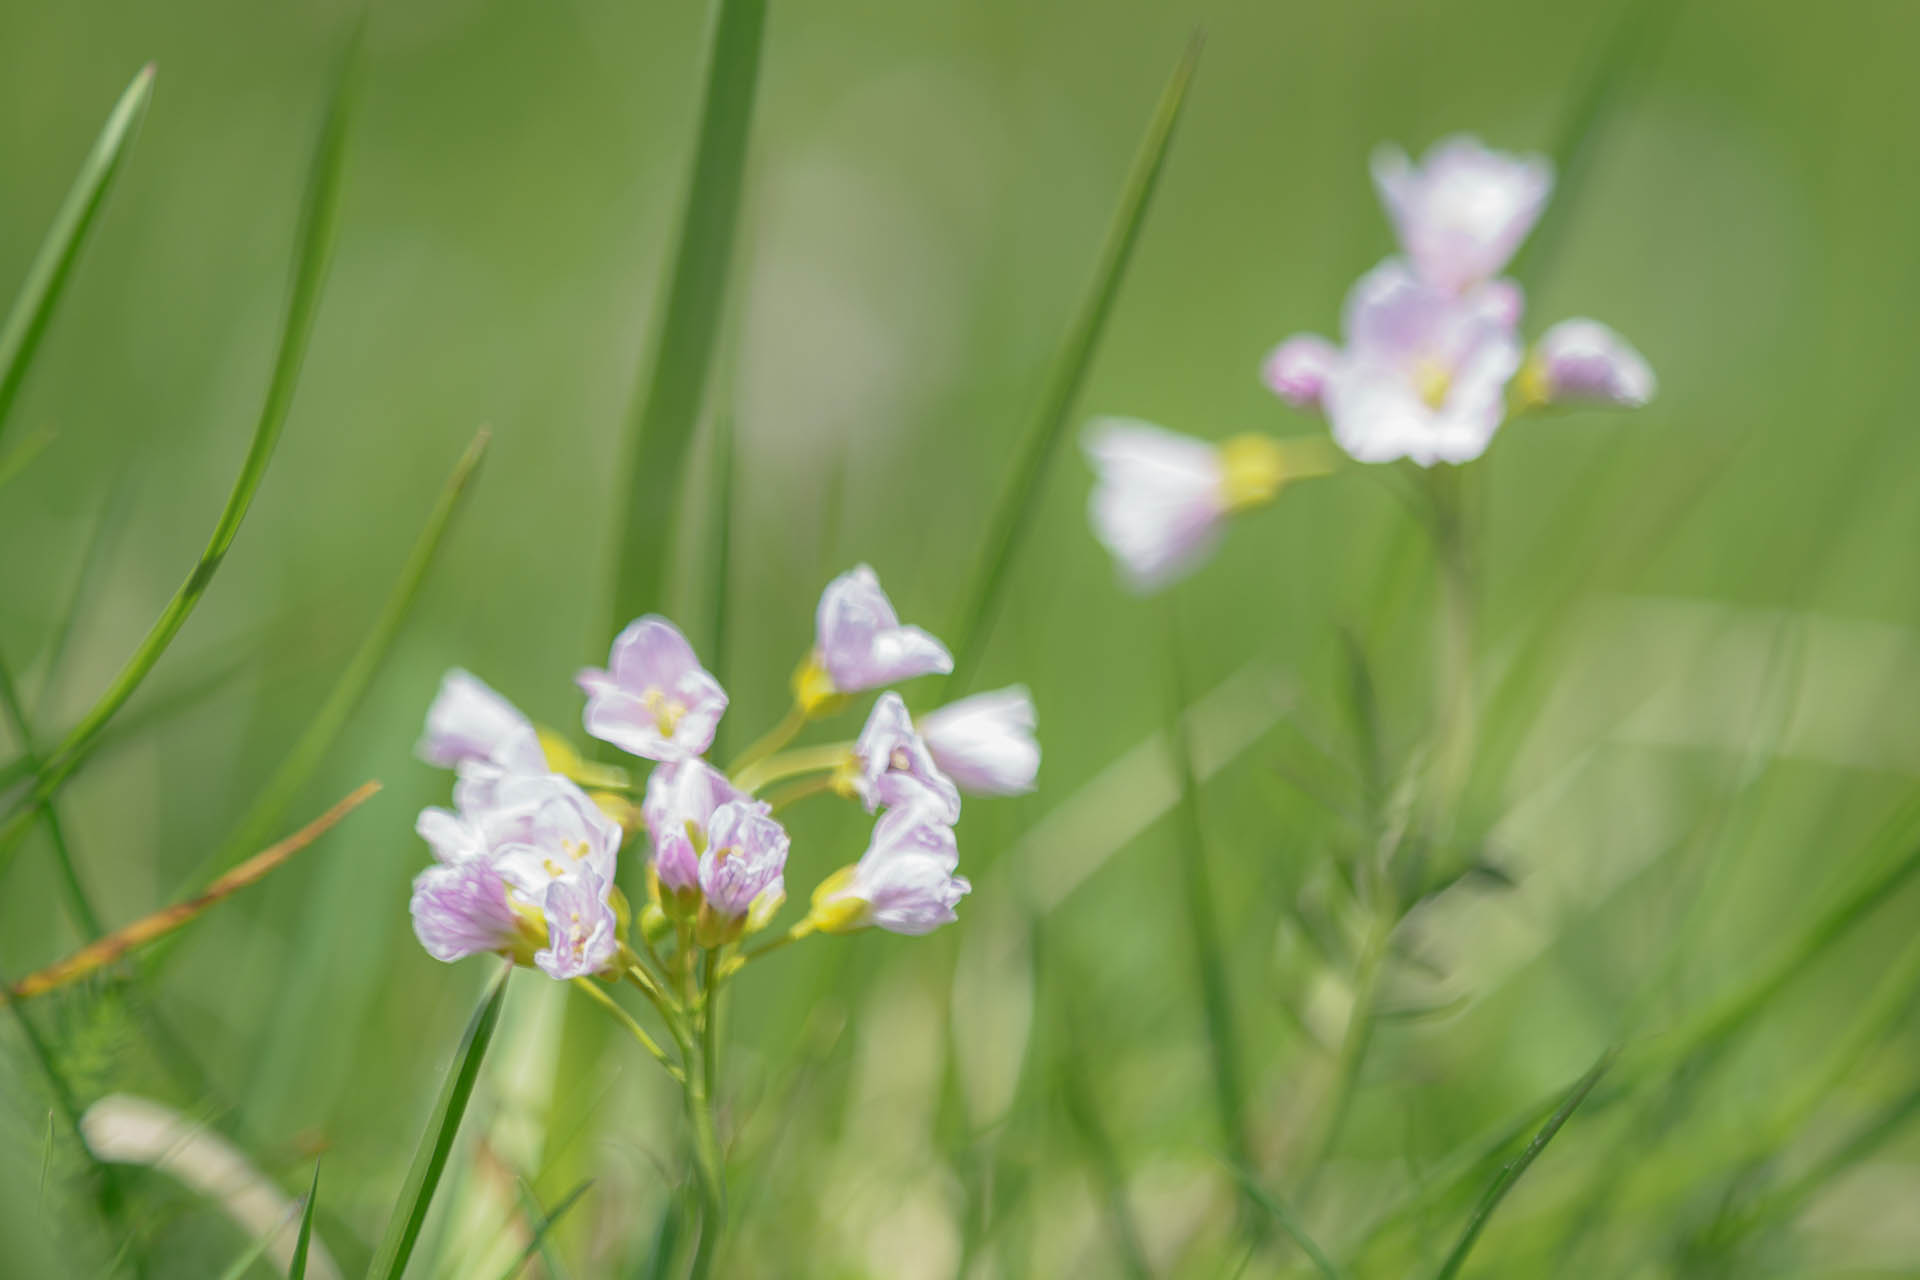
[1584, 362]
[1298, 370]
[469, 723]
[903, 883]
[1159, 499]
[860, 642]
[985, 743]
[894, 767]
[1424, 373]
[1463, 211]
[746, 856]
[656, 700]
[681, 801]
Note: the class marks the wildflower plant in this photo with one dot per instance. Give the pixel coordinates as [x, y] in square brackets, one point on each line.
[527, 863]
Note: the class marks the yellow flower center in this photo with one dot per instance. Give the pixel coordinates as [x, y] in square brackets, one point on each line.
[1432, 380]
[667, 711]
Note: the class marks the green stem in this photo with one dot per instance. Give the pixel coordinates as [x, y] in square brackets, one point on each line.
[794, 792]
[625, 1019]
[772, 740]
[1454, 718]
[791, 764]
[706, 1143]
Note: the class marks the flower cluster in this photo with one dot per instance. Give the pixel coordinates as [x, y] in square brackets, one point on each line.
[526, 861]
[1432, 364]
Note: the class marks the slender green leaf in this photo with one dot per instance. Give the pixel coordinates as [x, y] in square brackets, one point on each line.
[717, 571]
[436, 1144]
[297, 1264]
[687, 327]
[1014, 512]
[315, 249]
[85, 918]
[47, 277]
[101, 540]
[1287, 1222]
[318, 738]
[1503, 1183]
[659, 1259]
[543, 1222]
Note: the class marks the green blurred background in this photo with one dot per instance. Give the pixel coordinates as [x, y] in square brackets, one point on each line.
[1707, 610]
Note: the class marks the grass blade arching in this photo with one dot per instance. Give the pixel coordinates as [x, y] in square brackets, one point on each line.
[1497, 1190]
[436, 1144]
[1014, 511]
[317, 739]
[297, 1265]
[687, 326]
[1288, 1223]
[47, 278]
[315, 247]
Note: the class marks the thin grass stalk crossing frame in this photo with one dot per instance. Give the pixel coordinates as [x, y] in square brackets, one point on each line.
[1512, 1173]
[687, 327]
[297, 1265]
[319, 220]
[1013, 513]
[47, 278]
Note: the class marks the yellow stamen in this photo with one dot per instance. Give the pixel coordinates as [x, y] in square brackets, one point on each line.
[1433, 381]
[667, 711]
[1531, 389]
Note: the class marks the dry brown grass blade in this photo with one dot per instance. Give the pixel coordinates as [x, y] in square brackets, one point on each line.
[144, 930]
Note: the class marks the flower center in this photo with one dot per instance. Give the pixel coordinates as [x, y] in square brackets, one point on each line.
[900, 761]
[666, 710]
[1432, 381]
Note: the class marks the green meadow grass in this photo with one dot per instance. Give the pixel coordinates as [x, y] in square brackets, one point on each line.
[744, 293]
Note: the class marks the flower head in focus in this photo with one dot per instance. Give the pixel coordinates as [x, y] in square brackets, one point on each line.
[860, 643]
[1462, 212]
[986, 742]
[903, 883]
[681, 801]
[655, 699]
[892, 766]
[746, 857]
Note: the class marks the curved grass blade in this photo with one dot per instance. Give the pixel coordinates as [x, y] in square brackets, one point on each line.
[1014, 511]
[105, 951]
[537, 1244]
[1497, 1191]
[244, 1263]
[688, 324]
[297, 1265]
[318, 222]
[85, 918]
[1287, 1222]
[294, 772]
[47, 277]
[430, 1159]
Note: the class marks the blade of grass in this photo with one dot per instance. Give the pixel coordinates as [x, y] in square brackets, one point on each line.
[294, 772]
[537, 1245]
[297, 1265]
[47, 278]
[1287, 1222]
[1858, 1145]
[1503, 1183]
[319, 218]
[717, 572]
[104, 951]
[245, 1262]
[1203, 925]
[1083, 1113]
[1007, 527]
[436, 1144]
[687, 326]
[79, 907]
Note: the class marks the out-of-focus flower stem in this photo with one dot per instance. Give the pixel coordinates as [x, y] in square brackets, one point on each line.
[795, 792]
[700, 1083]
[1454, 710]
[775, 738]
[1353, 1049]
